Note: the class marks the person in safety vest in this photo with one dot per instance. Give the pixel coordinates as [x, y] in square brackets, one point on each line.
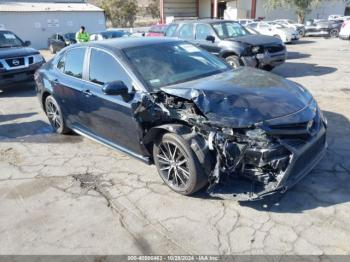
[82, 36]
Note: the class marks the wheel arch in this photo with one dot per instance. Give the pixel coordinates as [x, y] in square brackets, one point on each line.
[196, 142]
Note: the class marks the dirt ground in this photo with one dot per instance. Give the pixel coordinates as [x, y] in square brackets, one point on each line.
[69, 195]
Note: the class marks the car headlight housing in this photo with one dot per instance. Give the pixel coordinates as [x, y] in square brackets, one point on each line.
[255, 134]
[38, 58]
[255, 49]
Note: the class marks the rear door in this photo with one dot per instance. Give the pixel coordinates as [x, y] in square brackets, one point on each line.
[68, 84]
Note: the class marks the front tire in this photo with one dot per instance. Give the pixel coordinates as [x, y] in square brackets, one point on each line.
[54, 114]
[334, 33]
[178, 165]
[233, 61]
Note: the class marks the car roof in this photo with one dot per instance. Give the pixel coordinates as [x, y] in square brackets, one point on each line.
[129, 42]
[205, 20]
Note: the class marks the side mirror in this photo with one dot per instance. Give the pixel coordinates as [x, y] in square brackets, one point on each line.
[27, 43]
[117, 88]
[210, 38]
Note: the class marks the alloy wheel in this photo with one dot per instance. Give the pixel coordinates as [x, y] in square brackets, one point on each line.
[53, 114]
[173, 165]
[334, 33]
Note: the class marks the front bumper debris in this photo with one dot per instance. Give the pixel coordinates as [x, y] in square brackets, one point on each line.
[301, 159]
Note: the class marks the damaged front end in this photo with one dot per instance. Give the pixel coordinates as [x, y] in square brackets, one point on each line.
[252, 164]
[247, 163]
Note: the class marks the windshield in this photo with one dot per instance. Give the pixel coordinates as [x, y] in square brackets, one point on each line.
[171, 63]
[229, 30]
[9, 39]
[114, 34]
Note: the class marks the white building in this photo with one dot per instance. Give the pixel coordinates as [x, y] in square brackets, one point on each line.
[36, 21]
[236, 9]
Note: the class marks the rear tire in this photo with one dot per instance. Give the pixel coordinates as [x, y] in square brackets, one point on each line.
[233, 61]
[178, 165]
[54, 114]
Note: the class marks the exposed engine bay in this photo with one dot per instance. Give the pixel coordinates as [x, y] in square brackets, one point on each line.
[245, 163]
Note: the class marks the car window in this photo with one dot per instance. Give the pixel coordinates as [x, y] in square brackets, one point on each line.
[253, 25]
[9, 39]
[60, 38]
[171, 30]
[229, 30]
[74, 62]
[60, 64]
[104, 68]
[202, 31]
[170, 63]
[263, 26]
[186, 31]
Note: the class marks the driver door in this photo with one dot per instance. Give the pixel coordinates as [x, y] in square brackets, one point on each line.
[202, 31]
[109, 117]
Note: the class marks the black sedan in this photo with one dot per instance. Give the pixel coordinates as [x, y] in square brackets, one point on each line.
[56, 42]
[246, 132]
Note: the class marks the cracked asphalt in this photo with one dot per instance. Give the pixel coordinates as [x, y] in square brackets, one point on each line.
[69, 195]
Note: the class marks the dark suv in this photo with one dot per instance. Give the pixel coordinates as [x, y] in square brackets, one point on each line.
[18, 62]
[232, 42]
[323, 28]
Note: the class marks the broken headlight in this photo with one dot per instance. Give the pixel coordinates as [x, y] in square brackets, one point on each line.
[255, 134]
[255, 49]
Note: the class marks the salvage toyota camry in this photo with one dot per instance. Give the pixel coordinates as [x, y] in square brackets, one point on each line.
[245, 132]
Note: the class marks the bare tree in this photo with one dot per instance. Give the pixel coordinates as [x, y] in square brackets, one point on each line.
[121, 13]
[153, 9]
[302, 7]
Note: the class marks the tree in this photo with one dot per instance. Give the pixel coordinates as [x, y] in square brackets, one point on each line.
[121, 13]
[302, 7]
[153, 9]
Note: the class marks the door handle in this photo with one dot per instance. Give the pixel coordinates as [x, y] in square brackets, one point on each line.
[55, 81]
[87, 93]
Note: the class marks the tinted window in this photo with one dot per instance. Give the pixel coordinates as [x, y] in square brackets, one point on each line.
[202, 31]
[186, 31]
[104, 69]
[60, 38]
[74, 62]
[171, 30]
[170, 63]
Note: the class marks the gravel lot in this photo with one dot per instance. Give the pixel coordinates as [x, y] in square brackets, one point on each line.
[68, 195]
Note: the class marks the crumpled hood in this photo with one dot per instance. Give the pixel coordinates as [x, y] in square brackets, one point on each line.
[17, 52]
[243, 97]
[256, 39]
